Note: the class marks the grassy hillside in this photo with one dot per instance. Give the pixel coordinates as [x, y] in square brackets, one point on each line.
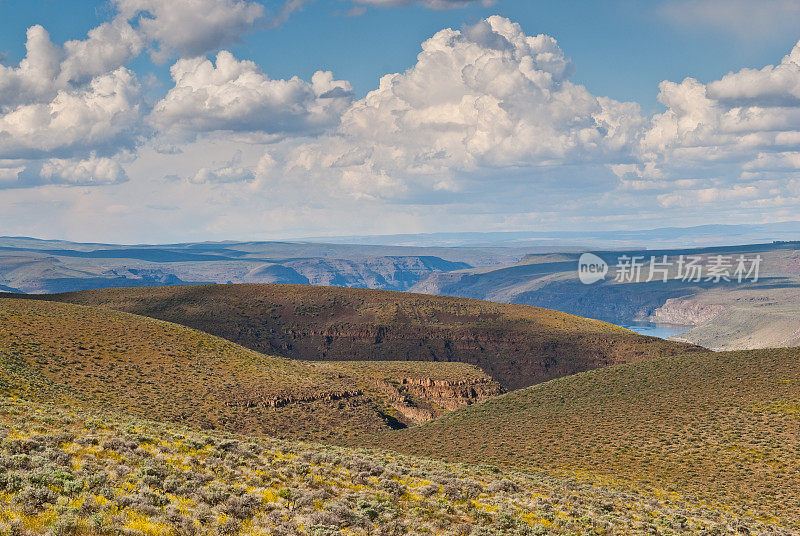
[66, 472]
[517, 345]
[117, 361]
[718, 428]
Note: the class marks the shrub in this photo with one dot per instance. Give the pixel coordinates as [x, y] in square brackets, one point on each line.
[242, 507]
[504, 485]
[229, 527]
[33, 498]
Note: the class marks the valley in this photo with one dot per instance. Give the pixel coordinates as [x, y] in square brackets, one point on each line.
[113, 361]
[724, 315]
[197, 431]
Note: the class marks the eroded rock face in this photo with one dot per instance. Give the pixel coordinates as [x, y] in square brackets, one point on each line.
[414, 400]
[419, 400]
[686, 312]
[281, 400]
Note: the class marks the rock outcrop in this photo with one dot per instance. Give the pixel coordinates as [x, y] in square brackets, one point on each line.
[286, 399]
[419, 400]
[686, 312]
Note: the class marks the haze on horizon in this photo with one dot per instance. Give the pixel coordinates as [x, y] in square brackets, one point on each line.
[151, 121]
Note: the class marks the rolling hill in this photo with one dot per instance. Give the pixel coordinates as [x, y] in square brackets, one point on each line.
[117, 423]
[516, 345]
[115, 361]
[710, 428]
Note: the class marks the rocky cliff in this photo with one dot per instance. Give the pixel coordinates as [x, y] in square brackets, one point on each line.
[413, 400]
[686, 312]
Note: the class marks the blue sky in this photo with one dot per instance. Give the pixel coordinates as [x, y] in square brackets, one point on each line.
[622, 48]
[220, 128]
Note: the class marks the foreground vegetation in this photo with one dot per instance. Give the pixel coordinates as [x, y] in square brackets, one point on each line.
[700, 443]
[718, 428]
[69, 473]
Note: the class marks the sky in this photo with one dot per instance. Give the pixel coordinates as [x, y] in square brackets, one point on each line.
[164, 121]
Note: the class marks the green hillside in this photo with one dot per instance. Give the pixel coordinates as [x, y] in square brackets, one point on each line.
[716, 428]
[516, 345]
[125, 363]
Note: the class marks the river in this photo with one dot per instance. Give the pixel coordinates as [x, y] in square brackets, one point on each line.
[662, 331]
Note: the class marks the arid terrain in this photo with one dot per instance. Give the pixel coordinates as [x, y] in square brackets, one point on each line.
[714, 429]
[131, 364]
[517, 345]
[117, 423]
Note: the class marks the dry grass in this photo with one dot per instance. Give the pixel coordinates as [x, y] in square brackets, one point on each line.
[68, 473]
[150, 368]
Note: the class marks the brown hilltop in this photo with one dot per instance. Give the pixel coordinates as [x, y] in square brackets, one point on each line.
[516, 345]
[115, 361]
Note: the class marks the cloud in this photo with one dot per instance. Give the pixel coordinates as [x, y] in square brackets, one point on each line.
[788, 161]
[774, 86]
[229, 172]
[103, 116]
[189, 28]
[232, 95]
[732, 143]
[744, 18]
[486, 124]
[433, 4]
[93, 171]
[288, 8]
[726, 121]
[477, 101]
[60, 107]
[107, 47]
[225, 174]
[48, 68]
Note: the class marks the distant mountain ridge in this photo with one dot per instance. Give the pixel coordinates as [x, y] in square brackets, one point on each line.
[38, 266]
[748, 315]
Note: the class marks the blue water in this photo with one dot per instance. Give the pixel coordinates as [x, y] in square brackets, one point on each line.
[662, 331]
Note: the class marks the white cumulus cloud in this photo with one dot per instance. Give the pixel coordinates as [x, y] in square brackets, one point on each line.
[92, 171]
[190, 28]
[48, 68]
[232, 95]
[103, 116]
[729, 120]
[61, 104]
[485, 98]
